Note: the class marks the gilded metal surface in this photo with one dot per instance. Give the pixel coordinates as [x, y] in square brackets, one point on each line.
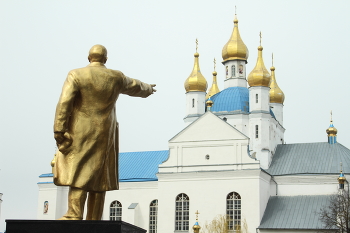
[331, 131]
[341, 178]
[259, 76]
[235, 47]
[196, 81]
[86, 128]
[276, 94]
[209, 103]
[214, 87]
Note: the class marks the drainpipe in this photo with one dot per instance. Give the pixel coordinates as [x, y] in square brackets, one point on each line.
[277, 186]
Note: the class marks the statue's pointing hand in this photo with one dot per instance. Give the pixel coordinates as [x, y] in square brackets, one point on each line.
[153, 90]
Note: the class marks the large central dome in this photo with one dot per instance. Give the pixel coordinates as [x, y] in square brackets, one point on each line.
[231, 99]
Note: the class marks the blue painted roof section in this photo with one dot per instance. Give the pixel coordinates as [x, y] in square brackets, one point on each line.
[310, 158]
[46, 175]
[272, 114]
[231, 99]
[140, 166]
[136, 166]
[294, 212]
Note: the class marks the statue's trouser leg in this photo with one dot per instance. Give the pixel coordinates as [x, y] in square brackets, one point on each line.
[76, 202]
[95, 204]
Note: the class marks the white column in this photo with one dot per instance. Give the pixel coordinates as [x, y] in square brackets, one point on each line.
[259, 124]
[278, 111]
[195, 105]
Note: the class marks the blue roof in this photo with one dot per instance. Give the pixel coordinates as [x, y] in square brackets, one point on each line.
[231, 99]
[136, 166]
[140, 166]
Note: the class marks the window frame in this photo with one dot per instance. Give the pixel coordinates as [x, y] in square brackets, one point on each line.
[153, 216]
[234, 211]
[115, 211]
[182, 211]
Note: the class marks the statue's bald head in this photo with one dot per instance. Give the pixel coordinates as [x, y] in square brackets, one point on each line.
[98, 53]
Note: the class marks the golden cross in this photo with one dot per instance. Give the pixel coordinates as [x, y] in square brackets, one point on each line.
[260, 38]
[272, 59]
[341, 167]
[197, 215]
[331, 116]
[214, 63]
[235, 10]
[196, 45]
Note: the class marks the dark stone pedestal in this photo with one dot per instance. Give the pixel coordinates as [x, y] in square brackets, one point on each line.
[70, 226]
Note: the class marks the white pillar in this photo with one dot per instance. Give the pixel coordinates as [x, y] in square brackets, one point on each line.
[195, 105]
[278, 111]
[259, 124]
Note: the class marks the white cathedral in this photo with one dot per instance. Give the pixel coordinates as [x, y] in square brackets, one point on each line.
[229, 160]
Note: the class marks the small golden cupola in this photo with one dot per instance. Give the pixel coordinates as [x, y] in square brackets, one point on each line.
[332, 132]
[196, 81]
[196, 226]
[259, 76]
[214, 87]
[235, 49]
[276, 94]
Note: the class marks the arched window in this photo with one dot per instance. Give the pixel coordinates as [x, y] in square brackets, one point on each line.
[226, 71]
[256, 98]
[182, 208]
[192, 103]
[115, 211]
[233, 212]
[153, 216]
[256, 131]
[233, 71]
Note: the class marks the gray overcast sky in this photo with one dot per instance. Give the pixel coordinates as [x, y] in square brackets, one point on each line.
[154, 41]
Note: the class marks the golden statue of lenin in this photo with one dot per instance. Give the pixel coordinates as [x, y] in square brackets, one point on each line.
[86, 133]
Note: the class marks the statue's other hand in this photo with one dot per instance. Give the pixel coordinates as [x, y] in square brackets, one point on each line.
[153, 90]
[63, 141]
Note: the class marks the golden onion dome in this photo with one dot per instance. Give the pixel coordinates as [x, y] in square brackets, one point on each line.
[332, 131]
[214, 87]
[276, 94]
[196, 227]
[259, 76]
[235, 49]
[209, 103]
[196, 81]
[341, 178]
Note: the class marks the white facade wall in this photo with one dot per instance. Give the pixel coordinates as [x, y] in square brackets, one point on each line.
[239, 121]
[56, 196]
[207, 192]
[0, 203]
[259, 144]
[195, 102]
[263, 99]
[142, 193]
[235, 77]
[195, 105]
[278, 111]
[264, 193]
[276, 135]
[294, 185]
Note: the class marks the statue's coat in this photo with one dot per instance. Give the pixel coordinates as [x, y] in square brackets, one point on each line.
[86, 110]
